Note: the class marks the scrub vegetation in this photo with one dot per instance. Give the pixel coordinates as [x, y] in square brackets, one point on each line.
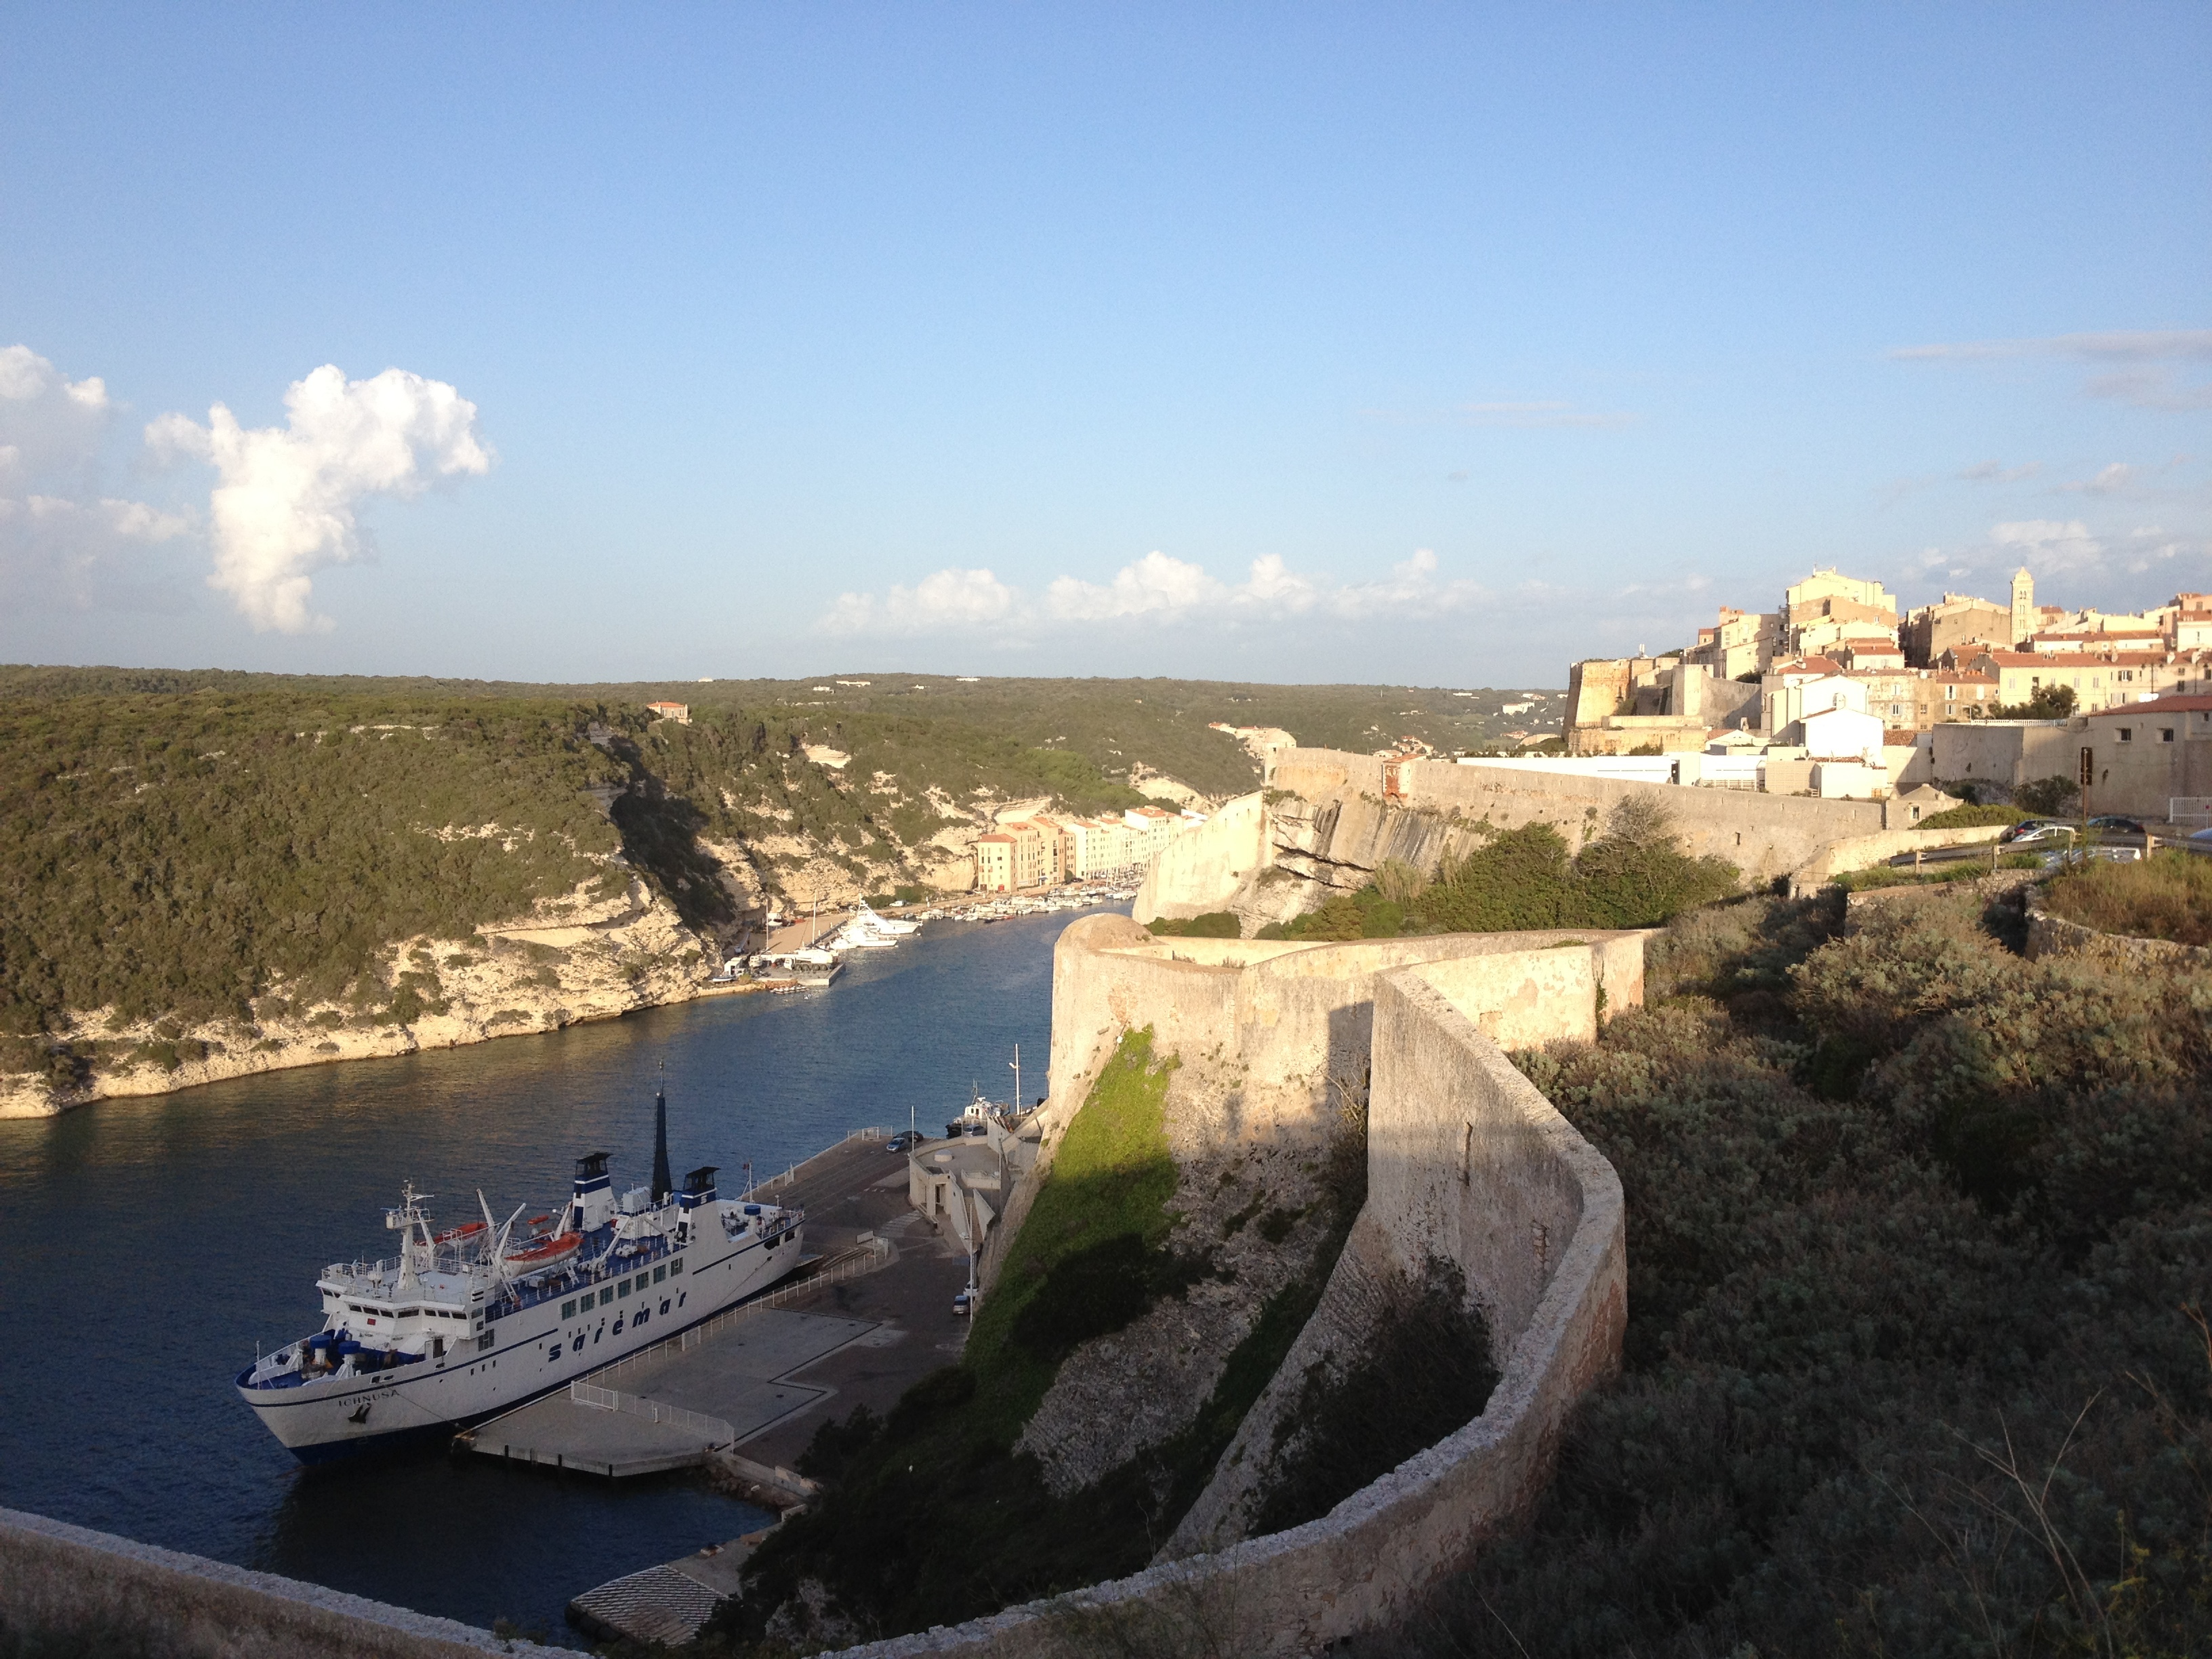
[1970, 817]
[171, 856]
[1635, 874]
[933, 1517]
[2168, 896]
[1917, 1359]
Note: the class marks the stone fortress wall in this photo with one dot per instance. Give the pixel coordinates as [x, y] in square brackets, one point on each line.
[1336, 818]
[1466, 1160]
[95, 1587]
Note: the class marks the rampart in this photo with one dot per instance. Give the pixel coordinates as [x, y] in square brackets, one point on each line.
[1198, 870]
[90, 1589]
[1346, 819]
[1767, 836]
[1466, 1161]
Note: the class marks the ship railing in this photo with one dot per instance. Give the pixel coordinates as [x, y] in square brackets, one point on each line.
[713, 1429]
[850, 1264]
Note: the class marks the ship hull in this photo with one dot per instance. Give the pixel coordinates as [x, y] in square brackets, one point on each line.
[534, 1351]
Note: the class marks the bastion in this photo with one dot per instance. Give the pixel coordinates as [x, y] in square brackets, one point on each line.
[1467, 1164]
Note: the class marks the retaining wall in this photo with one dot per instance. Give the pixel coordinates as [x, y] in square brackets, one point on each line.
[2050, 935]
[89, 1588]
[1466, 1160]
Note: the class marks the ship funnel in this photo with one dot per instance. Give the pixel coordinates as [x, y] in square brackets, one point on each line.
[662, 1186]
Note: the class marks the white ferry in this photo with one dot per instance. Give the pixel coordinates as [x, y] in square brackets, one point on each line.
[475, 1318]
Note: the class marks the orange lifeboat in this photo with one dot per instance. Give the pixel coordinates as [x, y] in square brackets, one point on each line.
[454, 1235]
[543, 1252]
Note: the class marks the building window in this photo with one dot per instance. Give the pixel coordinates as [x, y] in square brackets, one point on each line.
[2127, 734]
[2166, 734]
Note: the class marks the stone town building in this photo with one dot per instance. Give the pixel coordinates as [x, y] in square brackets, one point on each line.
[1915, 700]
[1014, 856]
[2006, 753]
[678, 712]
[1954, 623]
[1826, 608]
[1741, 642]
[2099, 680]
[2151, 760]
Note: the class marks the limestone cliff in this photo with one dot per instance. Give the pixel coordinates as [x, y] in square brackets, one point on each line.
[578, 957]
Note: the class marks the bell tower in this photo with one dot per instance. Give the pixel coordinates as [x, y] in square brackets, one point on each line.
[2023, 605]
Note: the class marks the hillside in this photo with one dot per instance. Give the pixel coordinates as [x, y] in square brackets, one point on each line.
[213, 872]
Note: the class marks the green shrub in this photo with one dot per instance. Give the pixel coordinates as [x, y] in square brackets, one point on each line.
[1970, 817]
[1856, 1313]
[1217, 923]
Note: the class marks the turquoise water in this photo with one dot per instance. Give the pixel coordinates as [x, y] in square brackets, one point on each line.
[146, 1246]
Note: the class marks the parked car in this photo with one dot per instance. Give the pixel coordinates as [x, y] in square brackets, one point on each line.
[967, 1302]
[2125, 826]
[905, 1141]
[2202, 837]
[2013, 832]
[2042, 833]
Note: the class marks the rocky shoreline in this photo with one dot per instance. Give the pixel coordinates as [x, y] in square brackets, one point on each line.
[578, 959]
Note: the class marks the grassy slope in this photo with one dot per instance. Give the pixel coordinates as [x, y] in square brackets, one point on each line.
[934, 1519]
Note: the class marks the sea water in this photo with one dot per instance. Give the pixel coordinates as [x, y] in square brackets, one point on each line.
[147, 1246]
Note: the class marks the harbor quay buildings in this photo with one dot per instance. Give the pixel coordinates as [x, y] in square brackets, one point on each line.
[1837, 692]
[1047, 847]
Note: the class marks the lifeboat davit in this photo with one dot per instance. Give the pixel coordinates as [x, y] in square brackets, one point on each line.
[543, 1252]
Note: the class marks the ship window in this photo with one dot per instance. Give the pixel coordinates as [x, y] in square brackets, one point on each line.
[676, 1265]
[568, 1309]
[484, 1341]
[605, 1297]
[659, 1274]
[623, 1289]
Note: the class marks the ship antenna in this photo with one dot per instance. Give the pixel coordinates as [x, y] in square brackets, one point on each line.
[662, 1186]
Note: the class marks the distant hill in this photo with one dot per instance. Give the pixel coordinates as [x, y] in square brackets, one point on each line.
[205, 863]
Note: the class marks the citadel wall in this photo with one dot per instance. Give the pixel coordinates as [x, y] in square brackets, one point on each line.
[91, 1588]
[1466, 1160]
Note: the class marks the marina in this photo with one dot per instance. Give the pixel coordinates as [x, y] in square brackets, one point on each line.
[755, 1085]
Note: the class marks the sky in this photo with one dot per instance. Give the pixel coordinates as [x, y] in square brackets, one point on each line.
[1437, 344]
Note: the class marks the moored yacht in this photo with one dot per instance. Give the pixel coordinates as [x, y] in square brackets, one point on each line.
[476, 1318]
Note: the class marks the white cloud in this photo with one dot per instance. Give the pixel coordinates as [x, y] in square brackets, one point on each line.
[287, 503]
[1158, 589]
[62, 540]
[2145, 380]
[1154, 586]
[2151, 345]
[2109, 482]
[947, 602]
[2049, 545]
[51, 426]
[1998, 472]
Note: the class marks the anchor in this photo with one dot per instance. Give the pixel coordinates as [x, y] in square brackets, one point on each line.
[360, 1416]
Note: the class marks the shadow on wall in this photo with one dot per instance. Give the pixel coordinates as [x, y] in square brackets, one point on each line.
[1471, 1176]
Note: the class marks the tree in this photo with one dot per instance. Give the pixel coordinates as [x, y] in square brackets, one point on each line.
[2050, 702]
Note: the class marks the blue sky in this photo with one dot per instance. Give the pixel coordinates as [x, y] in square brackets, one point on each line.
[1417, 343]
